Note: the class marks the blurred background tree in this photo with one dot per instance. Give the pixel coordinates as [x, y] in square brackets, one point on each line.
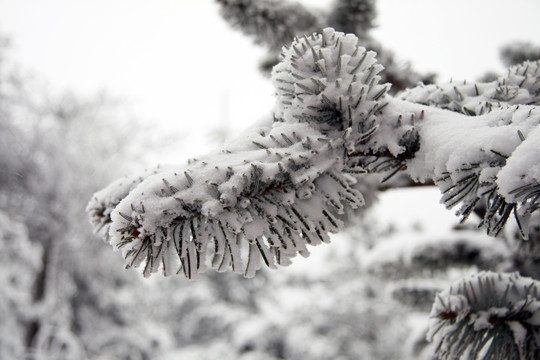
[54, 151]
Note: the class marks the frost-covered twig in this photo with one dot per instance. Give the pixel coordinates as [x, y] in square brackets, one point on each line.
[282, 184]
[269, 194]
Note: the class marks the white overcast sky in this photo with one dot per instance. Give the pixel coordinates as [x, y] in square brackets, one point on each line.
[180, 66]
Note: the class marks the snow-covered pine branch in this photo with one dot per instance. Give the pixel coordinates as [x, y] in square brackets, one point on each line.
[282, 184]
[490, 153]
[269, 193]
[487, 316]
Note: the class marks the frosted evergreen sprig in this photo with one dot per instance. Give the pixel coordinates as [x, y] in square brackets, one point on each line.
[331, 82]
[479, 157]
[269, 197]
[487, 316]
[268, 194]
[281, 185]
[486, 162]
[103, 202]
[519, 85]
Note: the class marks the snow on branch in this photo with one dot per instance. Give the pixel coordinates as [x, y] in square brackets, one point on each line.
[282, 184]
[269, 193]
[489, 154]
[487, 316]
[519, 85]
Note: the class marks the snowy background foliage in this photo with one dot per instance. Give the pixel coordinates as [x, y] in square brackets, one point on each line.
[367, 294]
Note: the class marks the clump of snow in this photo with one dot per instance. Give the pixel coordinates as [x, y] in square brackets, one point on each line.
[451, 141]
[522, 167]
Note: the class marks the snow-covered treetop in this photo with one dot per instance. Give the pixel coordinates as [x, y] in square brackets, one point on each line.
[282, 184]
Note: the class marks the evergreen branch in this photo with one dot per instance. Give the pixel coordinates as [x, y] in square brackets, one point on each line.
[274, 22]
[438, 255]
[416, 294]
[467, 167]
[352, 16]
[487, 316]
[519, 85]
[249, 211]
[104, 201]
[518, 52]
[281, 186]
[268, 195]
